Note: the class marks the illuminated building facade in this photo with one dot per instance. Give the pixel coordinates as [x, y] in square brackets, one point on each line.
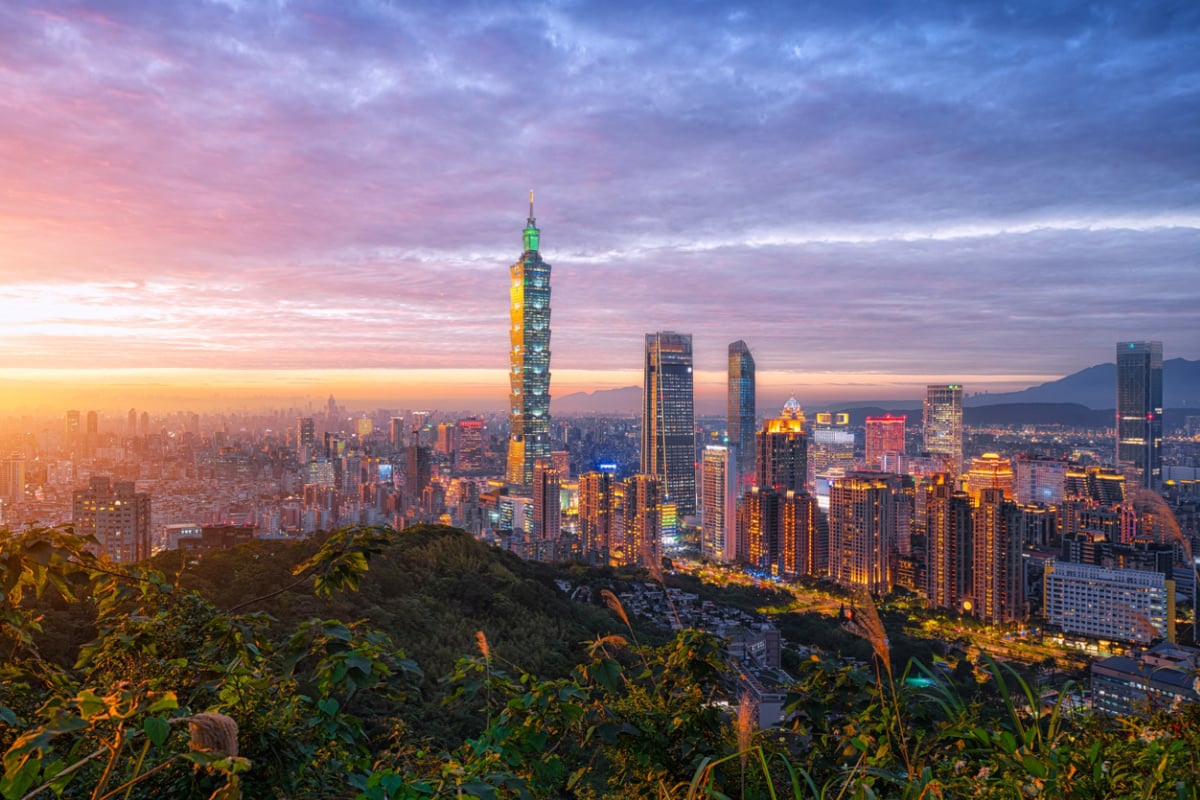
[832, 447]
[1139, 411]
[999, 580]
[989, 471]
[803, 536]
[1123, 605]
[884, 436]
[949, 555]
[669, 420]
[117, 515]
[529, 354]
[758, 528]
[470, 456]
[943, 424]
[547, 501]
[598, 521]
[783, 451]
[1160, 679]
[1095, 484]
[643, 512]
[1039, 480]
[740, 410]
[783, 533]
[718, 504]
[863, 516]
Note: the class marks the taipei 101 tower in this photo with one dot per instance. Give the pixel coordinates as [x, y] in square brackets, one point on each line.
[529, 376]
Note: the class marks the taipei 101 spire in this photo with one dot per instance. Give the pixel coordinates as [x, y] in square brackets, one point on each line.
[529, 375]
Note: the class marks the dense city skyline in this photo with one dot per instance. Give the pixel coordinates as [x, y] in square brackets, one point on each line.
[213, 204]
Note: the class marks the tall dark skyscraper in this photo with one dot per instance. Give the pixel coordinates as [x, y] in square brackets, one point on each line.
[529, 377]
[669, 419]
[741, 410]
[1139, 410]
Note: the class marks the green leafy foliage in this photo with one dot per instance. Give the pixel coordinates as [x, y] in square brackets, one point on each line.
[277, 671]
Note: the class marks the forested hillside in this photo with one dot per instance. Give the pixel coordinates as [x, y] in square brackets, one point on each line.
[380, 664]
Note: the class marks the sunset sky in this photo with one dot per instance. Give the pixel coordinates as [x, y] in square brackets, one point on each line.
[208, 202]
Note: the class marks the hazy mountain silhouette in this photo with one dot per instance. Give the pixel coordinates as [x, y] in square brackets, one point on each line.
[1095, 387]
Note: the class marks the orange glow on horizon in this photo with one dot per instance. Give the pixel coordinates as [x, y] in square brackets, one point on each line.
[40, 391]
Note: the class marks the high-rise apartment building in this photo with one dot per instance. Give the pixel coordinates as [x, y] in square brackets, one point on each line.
[943, 424]
[469, 455]
[668, 418]
[547, 501]
[718, 504]
[740, 410]
[1139, 411]
[417, 475]
[782, 445]
[12, 479]
[949, 552]
[305, 437]
[803, 535]
[863, 522]
[999, 592]
[643, 512]
[598, 518]
[758, 528]
[529, 354]
[884, 436]
[117, 515]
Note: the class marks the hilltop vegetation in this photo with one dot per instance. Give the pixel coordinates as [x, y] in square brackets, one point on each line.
[276, 672]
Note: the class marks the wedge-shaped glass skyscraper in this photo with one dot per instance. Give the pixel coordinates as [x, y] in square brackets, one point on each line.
[529, 375]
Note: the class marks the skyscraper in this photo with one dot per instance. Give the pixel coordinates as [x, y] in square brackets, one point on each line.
[949, 539]
[718, 504]
[783, 451]
[547, 501]
[469, 451]
[863, 523]
[597, 517]
[740, 410]
[999, 591]
[643, 520]
[1139, 410]
[529, 376]
[305, 437]
[943, 424]
[668, 418]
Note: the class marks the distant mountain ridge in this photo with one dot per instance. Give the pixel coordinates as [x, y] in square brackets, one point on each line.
[625, 400]
[1095, 388]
